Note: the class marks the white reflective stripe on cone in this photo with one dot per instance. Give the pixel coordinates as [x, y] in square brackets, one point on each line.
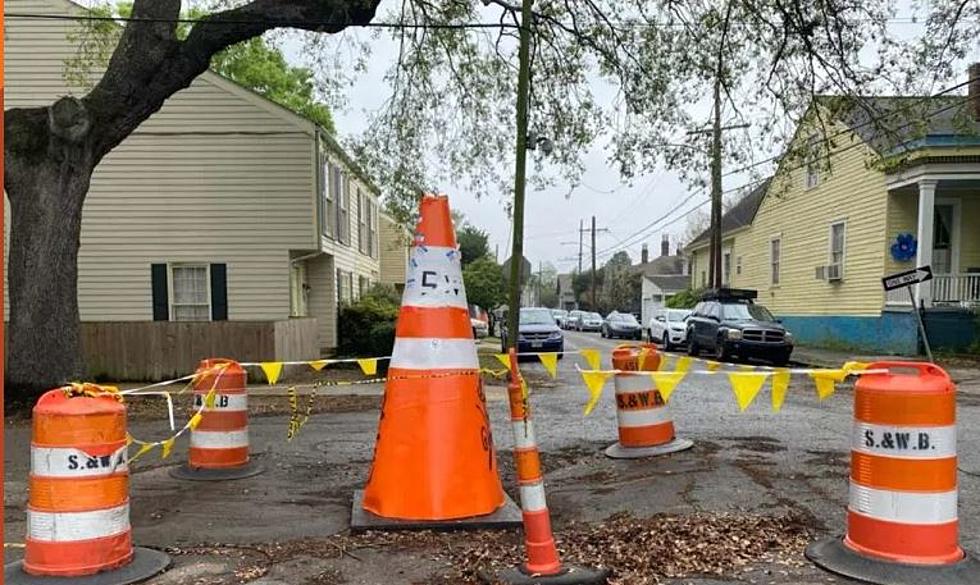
[219, 439]
[433, 353]
[72, 526]
[904, 442]
[435, 278]
[523, 434]
[532, 497]
[68, 462]
[224, 402]
[903, 507]
[643, 418]
[630, 383]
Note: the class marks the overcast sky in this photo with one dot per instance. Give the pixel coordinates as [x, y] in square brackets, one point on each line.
[552, 218]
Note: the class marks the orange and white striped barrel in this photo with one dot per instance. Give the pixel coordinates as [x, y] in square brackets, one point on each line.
[220, 441]
[78, 507]
[643, 417]
[903, 494]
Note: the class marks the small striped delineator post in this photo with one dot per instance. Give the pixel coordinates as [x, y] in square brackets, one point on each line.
[902, 525]
[219, 447]
[543, 566]
[642, 415]
[78, 507]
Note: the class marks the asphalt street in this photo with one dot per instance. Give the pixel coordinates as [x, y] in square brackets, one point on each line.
[757, 462]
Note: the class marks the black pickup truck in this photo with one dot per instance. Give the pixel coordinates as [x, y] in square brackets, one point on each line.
[728, 323]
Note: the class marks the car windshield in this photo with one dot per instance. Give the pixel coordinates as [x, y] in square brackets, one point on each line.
[625, 318]
[536, 317]
[677, 315]
[595, 316]
[558, 312]
[746, 311]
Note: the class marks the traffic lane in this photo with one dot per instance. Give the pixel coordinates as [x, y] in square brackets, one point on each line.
[760, 460]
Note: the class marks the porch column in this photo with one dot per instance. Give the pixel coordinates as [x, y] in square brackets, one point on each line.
[927, 212]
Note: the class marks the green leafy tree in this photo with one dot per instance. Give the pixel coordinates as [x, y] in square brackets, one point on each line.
[484, 283]
[473, 243]
[449, 115]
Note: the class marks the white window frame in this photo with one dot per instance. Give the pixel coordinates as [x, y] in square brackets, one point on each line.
[726, 270]
[342, 208]
[830, 245]
[329, 211]
[374, 228]
[171, 290]
[811, 170]
[362, 221]
[776, 268]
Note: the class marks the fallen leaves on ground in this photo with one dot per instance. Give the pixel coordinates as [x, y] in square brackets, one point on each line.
[639, 551]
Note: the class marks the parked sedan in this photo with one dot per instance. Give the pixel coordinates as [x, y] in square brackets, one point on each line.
[669, 328]
[537, 332]
[622, 325]
[573, 319]
[589, 322]
[560, 316]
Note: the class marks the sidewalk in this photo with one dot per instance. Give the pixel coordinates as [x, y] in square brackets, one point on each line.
[964, 370]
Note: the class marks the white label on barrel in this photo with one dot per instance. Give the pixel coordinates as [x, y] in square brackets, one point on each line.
[910, 442]
[226, 402]
[435, 278]
[69, 462]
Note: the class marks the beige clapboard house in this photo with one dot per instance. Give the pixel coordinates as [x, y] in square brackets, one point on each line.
[222, 207]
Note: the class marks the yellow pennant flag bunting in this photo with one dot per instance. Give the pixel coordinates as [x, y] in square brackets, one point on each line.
[550, 363]
[195, 421]
[209, 399]
[167, 447]
[504, 359]
[746, 368]
[644, 355]
[318, 364]
[826, 381]
[712, 366]
[144, 449]
[129, 439]
[594, 380]
[592, 358]
[666, 382]
[683, 364]
[272, 371]
[746, 386]
[664, 361]
[780, 384]
[525, 391]
[369, 366]
[852, 367]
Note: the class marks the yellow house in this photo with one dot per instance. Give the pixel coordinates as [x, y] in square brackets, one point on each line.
[860, 204]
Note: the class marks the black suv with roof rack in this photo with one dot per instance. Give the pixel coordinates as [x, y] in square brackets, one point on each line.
[728, 323]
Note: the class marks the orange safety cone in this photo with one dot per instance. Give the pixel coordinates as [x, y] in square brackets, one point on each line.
[219, 447]
[78, 507]
[434, 459]
[543, 566]
[642, 415]
[902, 525]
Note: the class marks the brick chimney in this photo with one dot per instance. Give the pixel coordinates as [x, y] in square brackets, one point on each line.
[974, 90]
[644, 255]
[665, 245]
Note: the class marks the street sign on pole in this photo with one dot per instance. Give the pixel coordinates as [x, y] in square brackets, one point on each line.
[907, 279]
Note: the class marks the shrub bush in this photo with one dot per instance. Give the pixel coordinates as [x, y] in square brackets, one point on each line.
[366, 327]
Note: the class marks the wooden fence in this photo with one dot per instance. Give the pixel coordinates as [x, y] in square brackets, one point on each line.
[160, 350]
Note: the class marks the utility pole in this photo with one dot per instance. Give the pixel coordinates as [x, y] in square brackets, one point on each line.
[714, 263]
[580, 230]
[593, 263]
[520, 170]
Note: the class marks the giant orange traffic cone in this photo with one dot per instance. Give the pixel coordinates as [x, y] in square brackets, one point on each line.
[434, 459]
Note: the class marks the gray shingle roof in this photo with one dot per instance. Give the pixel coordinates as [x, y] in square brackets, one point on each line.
[673, 283]
[662, 266]
[738, 216]
[891, 123]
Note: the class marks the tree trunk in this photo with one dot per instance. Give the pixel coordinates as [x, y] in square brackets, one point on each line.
[46, 190]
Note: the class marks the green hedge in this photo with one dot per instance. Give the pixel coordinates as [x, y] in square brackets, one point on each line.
[366, 327]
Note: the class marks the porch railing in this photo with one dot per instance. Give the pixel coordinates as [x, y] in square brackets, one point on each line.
[956, 288]
[947, 289]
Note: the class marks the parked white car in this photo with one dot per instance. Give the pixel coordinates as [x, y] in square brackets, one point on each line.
[669, 328]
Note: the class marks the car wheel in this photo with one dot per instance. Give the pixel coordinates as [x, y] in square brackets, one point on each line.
[665, 342]
[721, 352]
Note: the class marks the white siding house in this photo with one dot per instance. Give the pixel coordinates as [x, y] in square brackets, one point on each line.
[222, 206]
